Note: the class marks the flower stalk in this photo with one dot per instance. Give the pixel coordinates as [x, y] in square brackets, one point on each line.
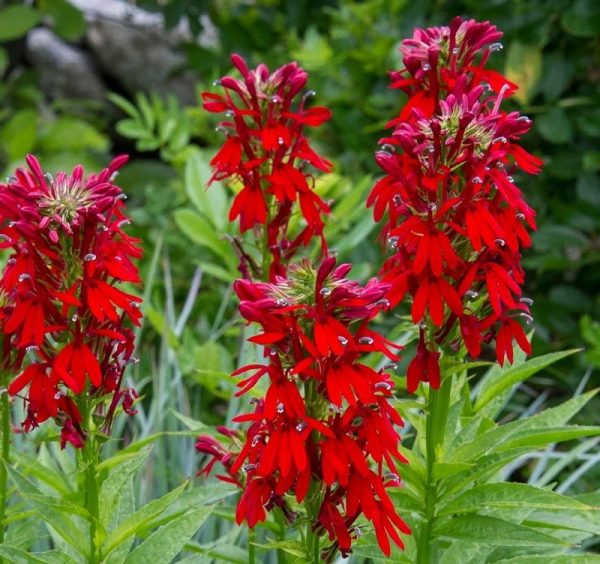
[89, 457]
[438, 403]
[5, 416]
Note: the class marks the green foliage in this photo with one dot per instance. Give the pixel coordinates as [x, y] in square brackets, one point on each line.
[16, 21]
[191, 338]
[155, 124]
[464, 491]
[164, 526]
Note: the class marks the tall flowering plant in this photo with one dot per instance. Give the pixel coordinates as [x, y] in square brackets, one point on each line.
[454, 218]
[267, 153]
[321, 446]
[65, 320]
[326, 415]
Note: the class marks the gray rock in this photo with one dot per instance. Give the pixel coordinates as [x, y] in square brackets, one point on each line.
[132, 46]
[65, 71]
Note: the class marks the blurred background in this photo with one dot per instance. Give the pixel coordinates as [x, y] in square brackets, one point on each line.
[82, 80]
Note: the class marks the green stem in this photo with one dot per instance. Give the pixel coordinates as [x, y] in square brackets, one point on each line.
[437, 412]
[424, 543]
[251, 547]
[312, 539]
[312, 504]
[89, 464]
[5, 456]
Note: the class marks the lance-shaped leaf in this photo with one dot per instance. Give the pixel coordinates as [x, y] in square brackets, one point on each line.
[169, 540]
[509, 496]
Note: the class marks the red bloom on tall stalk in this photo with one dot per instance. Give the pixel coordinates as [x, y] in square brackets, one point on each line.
[455, 219]
[63, 310]
[326, 415]
[267, 152]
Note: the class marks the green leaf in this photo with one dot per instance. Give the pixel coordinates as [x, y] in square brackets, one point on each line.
[552, 559]
[315, 51]
[371, 552]
[295, 548]
[560, 414]
[547, 435]
[42, 472]
[482, 528]
[189, 422]
[18, 135]
[16, 555]
[485, 467]
[508, 376]
[359, 232]
[201, 232]
[158, 321]
[523, 67]
[405, 500]
[205, 495]
[209, 201]
[508, 496]
[121, 470]
[139, 521]
[446, 469]
[66, 20]
[55, 512]
[124, 508]
[16, 21]
[555, 126]
[125, 105]
[68, 133]
[138, 445]
[529, 431]
[462, 553]
[169, 540]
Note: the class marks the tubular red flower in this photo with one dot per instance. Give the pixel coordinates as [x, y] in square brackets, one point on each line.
[68, 255]
[453, 215]
[326, 414]
[267, 151]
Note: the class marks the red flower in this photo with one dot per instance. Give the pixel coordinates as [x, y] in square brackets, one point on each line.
[326, 415]
[266, 151]
[454, 218]
[424, 367]
[73, 363]
[68, 255]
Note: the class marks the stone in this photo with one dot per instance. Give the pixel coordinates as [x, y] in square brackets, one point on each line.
[65, 71]
[132, 46]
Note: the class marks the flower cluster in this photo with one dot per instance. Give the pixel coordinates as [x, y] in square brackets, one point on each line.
[267, 153]
[325, 414]
[63, 314]
[455, 219]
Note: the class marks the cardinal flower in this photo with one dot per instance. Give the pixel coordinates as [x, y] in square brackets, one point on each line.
[68, 257]
[267, 153]
[326, 416]
[454, 217]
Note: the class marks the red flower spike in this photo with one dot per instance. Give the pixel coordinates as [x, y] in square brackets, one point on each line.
[454, 218]
[314, 328]
[68, 256]
[266, 151]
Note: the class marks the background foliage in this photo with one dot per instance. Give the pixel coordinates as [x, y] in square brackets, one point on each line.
[190, 341]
